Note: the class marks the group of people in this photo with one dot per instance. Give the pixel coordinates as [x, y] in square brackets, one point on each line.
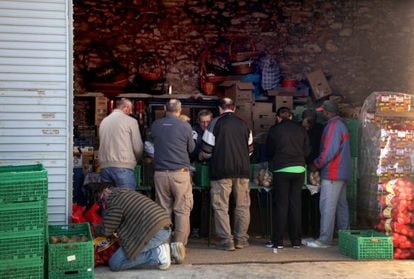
[294, 150]
[156, 233]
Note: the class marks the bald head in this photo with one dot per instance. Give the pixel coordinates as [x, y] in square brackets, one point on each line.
[226, 105]
[125, 105]
[173, 106]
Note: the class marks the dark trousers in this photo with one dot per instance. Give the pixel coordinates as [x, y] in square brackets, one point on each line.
[310, 214]
[287, 190]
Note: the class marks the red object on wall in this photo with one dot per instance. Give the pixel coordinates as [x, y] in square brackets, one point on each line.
[289, 83]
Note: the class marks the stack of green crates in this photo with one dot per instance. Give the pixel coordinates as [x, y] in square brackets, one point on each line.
[352, 187]
[23, 221]
[73, 259]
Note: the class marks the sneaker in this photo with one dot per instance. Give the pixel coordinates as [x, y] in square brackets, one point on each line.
[269, 244]
[280, 247]
[178, 252]
[317, 244]
[306, 240]
[242, 244]
[164, 256]
[296, 246]
[227, 246]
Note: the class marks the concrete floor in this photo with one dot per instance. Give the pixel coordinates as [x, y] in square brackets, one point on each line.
[257, 261]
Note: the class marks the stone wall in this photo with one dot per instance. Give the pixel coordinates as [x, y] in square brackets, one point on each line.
[362, 46]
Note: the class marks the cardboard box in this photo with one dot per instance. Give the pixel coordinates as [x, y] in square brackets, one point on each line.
[244, 112]
[319, 84]
[101, 109]
[238, 91]
[259, 127]
[265, 118]
[262, 108]
[283, 101]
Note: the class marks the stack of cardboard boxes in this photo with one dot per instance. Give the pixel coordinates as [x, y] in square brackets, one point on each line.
[263, 117]
[241, 93]
[259, 116]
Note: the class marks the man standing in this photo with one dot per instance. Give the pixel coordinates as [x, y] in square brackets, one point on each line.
[173, 142]
[334, 162]
[287, 146]
[228, 143]
[204, 118]
[142, 226]
[120, 146]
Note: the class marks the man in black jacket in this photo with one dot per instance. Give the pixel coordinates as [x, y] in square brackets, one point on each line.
[228, 143]
[287, 146]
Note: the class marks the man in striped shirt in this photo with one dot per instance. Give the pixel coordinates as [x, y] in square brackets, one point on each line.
[142, 226]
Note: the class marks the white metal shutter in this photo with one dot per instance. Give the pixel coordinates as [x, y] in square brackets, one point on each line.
[36, 93]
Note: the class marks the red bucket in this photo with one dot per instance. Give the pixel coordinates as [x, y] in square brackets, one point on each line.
[289, 83]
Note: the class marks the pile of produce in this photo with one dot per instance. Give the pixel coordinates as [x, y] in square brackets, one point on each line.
[396, 200]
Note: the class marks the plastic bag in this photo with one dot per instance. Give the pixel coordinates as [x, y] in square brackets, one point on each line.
[104, 248]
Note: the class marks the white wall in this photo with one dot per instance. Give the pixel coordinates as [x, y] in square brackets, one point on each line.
[36, 92]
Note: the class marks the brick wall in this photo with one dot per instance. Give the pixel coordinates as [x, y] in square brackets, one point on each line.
[362, 46]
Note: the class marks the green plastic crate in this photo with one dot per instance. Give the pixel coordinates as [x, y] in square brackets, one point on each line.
[70, 256]
[23, 216]
[73, 274]
[365, 244]
[22, 245]
[202, 176]
[23, 183]
[22, 269]
[353, 129]
[137, 173]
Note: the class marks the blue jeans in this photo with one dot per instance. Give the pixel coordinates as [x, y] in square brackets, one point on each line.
[333, 204]
[148, 256]
[121, 177]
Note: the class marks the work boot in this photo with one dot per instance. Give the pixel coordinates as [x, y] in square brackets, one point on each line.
[177, 252]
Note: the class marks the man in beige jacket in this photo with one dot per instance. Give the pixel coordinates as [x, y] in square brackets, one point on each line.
[120, 146]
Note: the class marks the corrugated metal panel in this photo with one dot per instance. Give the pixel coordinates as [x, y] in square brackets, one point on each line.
[36, 93]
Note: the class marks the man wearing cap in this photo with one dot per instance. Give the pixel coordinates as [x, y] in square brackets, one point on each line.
[334, 162]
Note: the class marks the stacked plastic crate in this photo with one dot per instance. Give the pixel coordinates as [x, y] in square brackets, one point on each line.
[352, 187]
[23, 221]
[70, 251]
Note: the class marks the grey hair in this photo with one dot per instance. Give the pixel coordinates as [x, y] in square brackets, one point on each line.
[123, 102]
[173, 105]
[204, 112]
